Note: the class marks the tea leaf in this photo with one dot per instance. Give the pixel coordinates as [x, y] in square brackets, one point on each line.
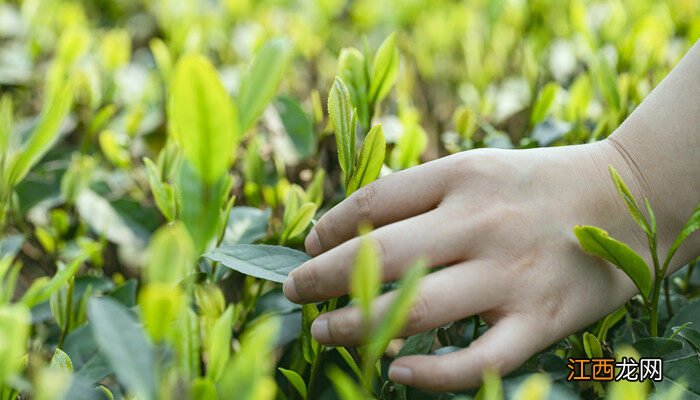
[171, 254]
[371, 159]
[299, 222]
[43, 137]
[42, 290]
[125, 346]
[597, 242]
[544, 102]
[309, 345]
[344, 386]
[366, 277]
[342, 118]
[6, 125]
[535, 387]
[297, 125]
[418, 344]
[296, 381]
[657, 346]
[15, 322]
[491, 389]
[353, 70]
[219, 344]
[692, 225]
[269, 262]
[349, 361]
[163, 193]
[61, 360]
[385, 68]
[259, 84]
[246, 225]
[203, 118]
[631, 204]
[203, 389]
[592, 346]
[161, 304]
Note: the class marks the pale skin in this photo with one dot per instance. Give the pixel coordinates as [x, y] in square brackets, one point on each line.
[502, 222]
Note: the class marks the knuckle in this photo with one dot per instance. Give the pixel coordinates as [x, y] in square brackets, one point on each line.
[363, 200]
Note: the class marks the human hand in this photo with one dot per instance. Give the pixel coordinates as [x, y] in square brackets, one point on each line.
[502, 222]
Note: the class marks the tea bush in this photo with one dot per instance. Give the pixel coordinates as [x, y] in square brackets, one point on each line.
[161, 162]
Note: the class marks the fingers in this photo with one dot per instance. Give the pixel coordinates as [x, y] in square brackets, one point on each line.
[504, 347]
[444, 296]
[328, 275]
[392, 198]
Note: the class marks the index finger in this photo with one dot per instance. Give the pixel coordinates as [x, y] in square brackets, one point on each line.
[391, 198]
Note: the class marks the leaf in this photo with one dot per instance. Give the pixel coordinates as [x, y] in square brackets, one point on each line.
[309, 345]
[161, 304]
[535, 387]
[610, 321]
[246, 225]
[592, 346]
[418, 344]
[219, 344]
[61, 360]
[349, 361]
[366, 278]
[544, 102]
[314, 192]
[202, 118]
[15, 322]
[297, 125]
[491, 389]
[162, 192]
[342, 118]
[369, 164]
[162, 57]
[344, 386]
[657, 346]
[295, 380]
[203, 389]
[631, 204]
[6, 125]
[259, 84]
[409, 147]
[597, 242]
[684, 371]
[123, 343]
[398, 311]
[170, 255]
[385, 68]
[691, 336]
[353, 70]
[299, 222]
[43, 137]
[41, 290]
[691, 226]
[263, 261]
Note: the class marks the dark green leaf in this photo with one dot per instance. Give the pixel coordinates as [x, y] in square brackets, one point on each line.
[297, 125]
[269, 262]
[657, 346]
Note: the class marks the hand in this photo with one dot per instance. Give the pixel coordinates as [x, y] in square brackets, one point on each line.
[502, 222]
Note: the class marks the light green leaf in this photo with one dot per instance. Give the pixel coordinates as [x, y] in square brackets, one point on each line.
[296, 380]
[170, 254]
[203, 389]
[396, 315]
[15, 321]
[41, 290]
[343, 119]
[597, 242]
[631, 204]
[349, 361]
[544, 102]
[346, 388]
[371, 159]
[409, 147]
[161, 304]
[592, 346]
[6, 125]
[301, 220]
[385, 68]
[691, 226]
[610, 321]
[314, 192]
[163, 193]
[219, 344]
[259, 84]
[353, 70]
[491, 388]
[43, 137]
[61, 360]
[162, 57]
[124, 344]
[366, 278]
[535, 387]
[268, 262]
[309, 345]
[202, 117]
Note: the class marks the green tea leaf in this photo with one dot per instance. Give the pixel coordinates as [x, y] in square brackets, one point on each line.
[535, 387]
[409, 147]
[349, 361]
[268, 262]
[42, 290]
[344, 386]
[691, 336]
[259, 84]
[309, 345]
[125, 346]
[342, 118]
[297, 125]
[366, 278]
[202, 117]
[170, 255]
[385, 68]
[371, 159]
[15, 322]
[161, 304]
[296, 380]
[299, 222]
[544, 102]
[353, 70]
[43, 137]
[163, 58]
[163, 193]
[631, 204]
[219, 344]
[592, 346]
[6, 125]
[314, 192]
[203, 389]
[491, 388]
[61, 360]
[692, 225]
[418, 344]
[597, 242]
[657, 346]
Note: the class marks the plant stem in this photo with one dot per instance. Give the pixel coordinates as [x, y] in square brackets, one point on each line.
[667, 296]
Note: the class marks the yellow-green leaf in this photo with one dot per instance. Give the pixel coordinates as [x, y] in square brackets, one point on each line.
[343, 120]
[202, 117]
[366, 277]
[592, 346]
[371, 159]
[597, 242]
[631, 204]
[353, 70]
[544, 102]
[385, 68]
[296, 380]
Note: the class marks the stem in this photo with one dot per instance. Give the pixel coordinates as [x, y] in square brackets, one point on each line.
[667, 295]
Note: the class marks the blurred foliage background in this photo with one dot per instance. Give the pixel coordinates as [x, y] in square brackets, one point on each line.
[81, 220]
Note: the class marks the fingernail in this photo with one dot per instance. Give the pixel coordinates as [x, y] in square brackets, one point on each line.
[319, 330]
[290, 290]
[400, 374]
[312, 244]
